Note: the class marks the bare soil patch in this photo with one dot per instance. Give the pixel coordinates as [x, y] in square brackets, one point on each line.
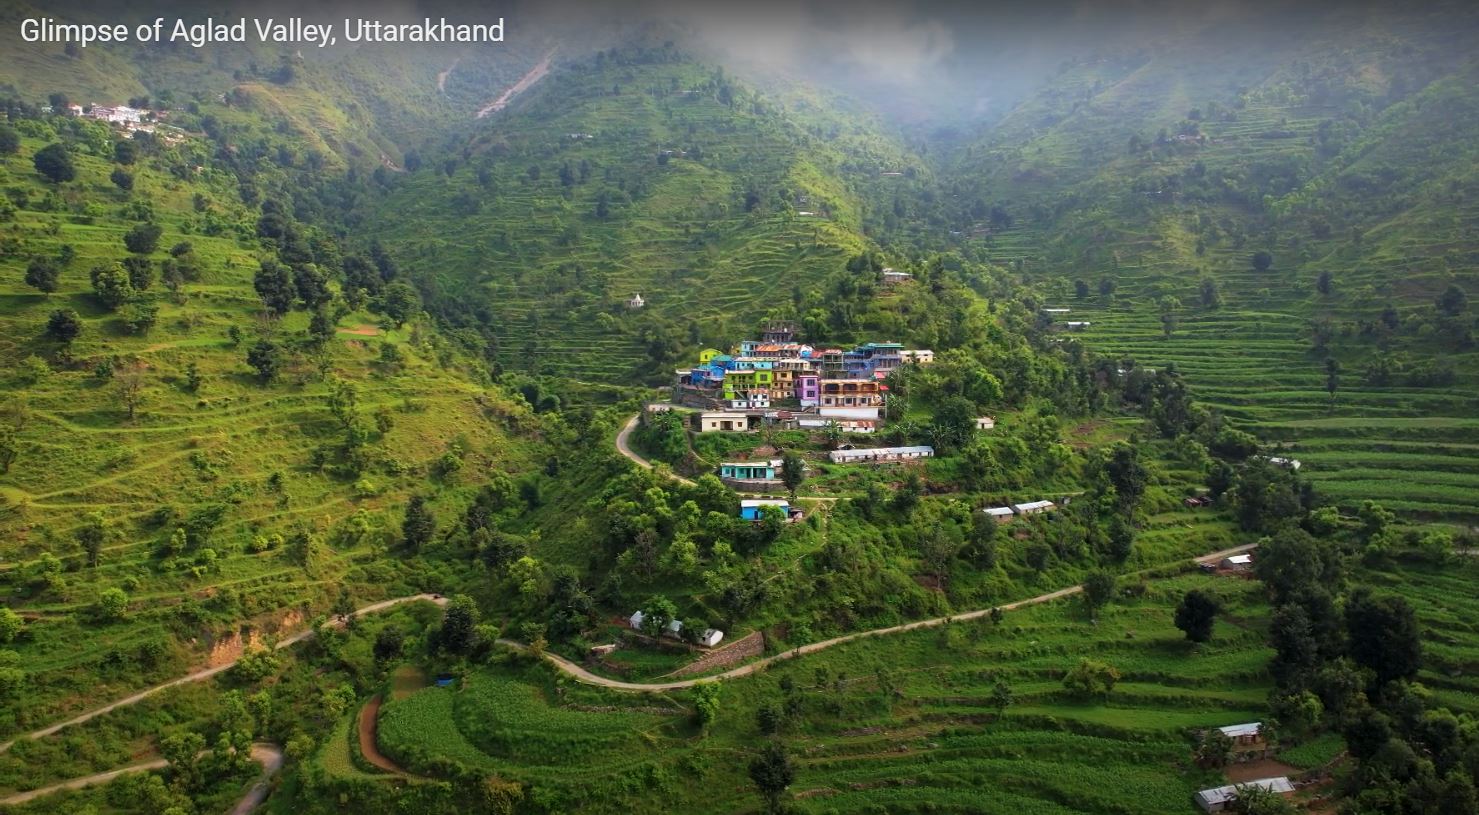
[369, 716]
[1246, 771]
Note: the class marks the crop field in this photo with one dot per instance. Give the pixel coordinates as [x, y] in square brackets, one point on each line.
[494, 720]
[1257, 155]
[556, 272]
[895, 722]
[859, 747]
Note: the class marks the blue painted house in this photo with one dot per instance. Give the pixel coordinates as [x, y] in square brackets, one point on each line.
[750, 507]
[750, 470]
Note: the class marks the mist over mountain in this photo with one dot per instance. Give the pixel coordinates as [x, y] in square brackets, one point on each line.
[808, 407]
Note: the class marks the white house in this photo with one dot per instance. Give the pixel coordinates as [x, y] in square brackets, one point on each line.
[999, 514]
[1056, 310]
[874, 455]
[1077, 325]
[1287, 463]
[1237, 563]
[871, 413]
[711, 637]
[985, 422]
[636, 623]
[1218, 798]
[918, 356]
[749, 400]
[723, 422]
[636, 301]
[1034, 507]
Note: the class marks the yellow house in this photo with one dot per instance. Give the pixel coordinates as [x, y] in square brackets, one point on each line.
[707, 355]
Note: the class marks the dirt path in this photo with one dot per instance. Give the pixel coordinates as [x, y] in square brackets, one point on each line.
[442, 75]
[207, 673]
[525, 83]
[582, 675]
[369, 718]
[623, 446]
[268, 755]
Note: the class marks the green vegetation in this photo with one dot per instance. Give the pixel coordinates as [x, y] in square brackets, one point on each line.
[323, 337]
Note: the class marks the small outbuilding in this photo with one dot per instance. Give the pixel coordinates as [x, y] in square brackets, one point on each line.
[1034, 507]
[750, 508]
[1247, 739]
[999, 514]
[985, 422]
[1218, 799]
[1237, 563]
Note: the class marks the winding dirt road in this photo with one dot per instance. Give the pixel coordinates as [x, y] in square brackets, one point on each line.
[207, 673]
[624, 446]
[264, 753]
[580, 674]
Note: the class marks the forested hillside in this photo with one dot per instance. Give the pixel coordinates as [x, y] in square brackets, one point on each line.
[638, 171]
[215, 409]
[1283, 212]
[332, 441]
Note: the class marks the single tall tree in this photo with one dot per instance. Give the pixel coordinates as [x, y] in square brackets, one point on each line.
[63, 325]
[1098, 590]
[42, 274]
[419, 524]
[793, 472]
[1197, 614]
[54, 162]
[773, 774]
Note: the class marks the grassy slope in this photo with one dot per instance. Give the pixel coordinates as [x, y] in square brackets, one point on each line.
[184, 452]
[556, 276]
[1088, 209]
[936, 742]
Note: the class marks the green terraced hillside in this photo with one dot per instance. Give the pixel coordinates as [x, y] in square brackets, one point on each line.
[1347, 158]
[640, 173]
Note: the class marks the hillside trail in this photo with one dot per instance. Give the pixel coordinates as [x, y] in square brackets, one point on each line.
[367, 725]
[264, 753]
[525, 83]
[207, 673]
[580, 674]
[442, 75]
[624, 446]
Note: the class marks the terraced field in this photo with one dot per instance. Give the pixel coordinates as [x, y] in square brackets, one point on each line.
[859, 747]
[1264, 171]
[555, 264]
[233, 459]
[1413, 449]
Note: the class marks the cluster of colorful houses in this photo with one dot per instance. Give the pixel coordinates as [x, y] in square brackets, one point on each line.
[777, 381]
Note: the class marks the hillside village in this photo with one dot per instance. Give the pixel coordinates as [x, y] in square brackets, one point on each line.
[778, 382]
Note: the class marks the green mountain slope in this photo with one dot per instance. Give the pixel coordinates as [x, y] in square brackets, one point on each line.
[151, 421]
[635, 172]
[1342, 145]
